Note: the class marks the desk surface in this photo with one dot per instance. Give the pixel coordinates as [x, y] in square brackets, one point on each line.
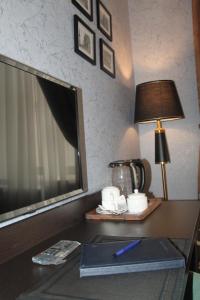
[173, 219]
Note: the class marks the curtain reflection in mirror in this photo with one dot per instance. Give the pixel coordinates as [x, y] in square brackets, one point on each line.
[36, 162]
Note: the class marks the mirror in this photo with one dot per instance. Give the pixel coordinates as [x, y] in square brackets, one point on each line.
[42, 149]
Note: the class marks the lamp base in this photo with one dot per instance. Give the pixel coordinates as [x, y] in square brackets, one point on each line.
[161, 147]
[162, 154]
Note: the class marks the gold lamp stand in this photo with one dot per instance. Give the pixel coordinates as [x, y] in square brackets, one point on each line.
[164, 181]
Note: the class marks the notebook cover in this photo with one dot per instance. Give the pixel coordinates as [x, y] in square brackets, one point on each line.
[150, 254]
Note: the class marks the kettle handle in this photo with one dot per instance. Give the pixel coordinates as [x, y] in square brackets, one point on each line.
[138, 163]
[134, 174]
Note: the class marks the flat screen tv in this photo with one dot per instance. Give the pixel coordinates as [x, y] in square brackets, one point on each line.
[42, 149]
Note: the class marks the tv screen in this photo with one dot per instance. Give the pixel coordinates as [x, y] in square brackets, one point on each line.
[42, 154]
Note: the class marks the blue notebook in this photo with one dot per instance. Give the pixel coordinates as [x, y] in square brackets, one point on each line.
[150, 254]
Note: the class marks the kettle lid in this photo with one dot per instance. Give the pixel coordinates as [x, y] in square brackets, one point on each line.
[117, 163]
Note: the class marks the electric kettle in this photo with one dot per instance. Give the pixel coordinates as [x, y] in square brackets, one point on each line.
[128, 175]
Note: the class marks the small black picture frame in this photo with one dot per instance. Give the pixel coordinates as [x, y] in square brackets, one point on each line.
[85, 6]
[84, 40]
[104, 20]
[107, 58]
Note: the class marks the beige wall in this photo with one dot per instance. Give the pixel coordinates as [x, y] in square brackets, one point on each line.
[162, 42]
[40, 33]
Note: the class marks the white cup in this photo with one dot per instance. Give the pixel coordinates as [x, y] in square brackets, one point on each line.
[121, 203]
[137, 203]
[110, 197]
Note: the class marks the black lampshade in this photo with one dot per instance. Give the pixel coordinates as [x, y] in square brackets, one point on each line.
[157, 100]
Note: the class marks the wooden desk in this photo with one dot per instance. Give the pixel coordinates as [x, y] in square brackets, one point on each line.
[173, 219]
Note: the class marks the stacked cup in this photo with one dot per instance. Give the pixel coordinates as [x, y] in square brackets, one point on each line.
[111, 199]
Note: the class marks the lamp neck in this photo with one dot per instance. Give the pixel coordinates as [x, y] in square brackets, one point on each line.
[159, 126]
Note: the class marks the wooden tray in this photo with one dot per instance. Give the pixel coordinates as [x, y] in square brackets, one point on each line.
[153, 204]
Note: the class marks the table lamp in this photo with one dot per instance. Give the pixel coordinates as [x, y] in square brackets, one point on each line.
[156, 101]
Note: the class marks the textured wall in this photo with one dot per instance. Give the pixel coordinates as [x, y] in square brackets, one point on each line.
[162, 42]
[39, 33]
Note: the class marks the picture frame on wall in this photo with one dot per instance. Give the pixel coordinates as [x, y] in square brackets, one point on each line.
[107, 58]
[104, 20]
[85, 6]
[84, 40]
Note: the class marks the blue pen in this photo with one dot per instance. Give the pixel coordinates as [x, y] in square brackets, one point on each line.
[126, 248]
